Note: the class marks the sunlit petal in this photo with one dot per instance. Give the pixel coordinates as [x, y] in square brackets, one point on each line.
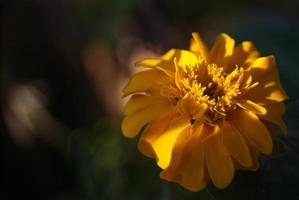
[133, 123]
[198, 46]
[222, 49]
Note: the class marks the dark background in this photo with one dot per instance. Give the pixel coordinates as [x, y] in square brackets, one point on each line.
[63, 65]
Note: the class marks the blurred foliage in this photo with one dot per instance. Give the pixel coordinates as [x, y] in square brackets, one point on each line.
[88, 15]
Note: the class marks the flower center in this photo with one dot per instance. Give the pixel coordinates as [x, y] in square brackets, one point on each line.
[206, 90]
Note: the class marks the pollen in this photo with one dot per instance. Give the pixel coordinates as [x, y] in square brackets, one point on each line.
[208, 87]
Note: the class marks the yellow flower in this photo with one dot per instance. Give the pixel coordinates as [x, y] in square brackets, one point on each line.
[205, 112]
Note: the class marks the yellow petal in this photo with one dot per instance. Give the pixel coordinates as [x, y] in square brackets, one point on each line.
[183, 57]
[274, 112]
[196, 188]
[255, 159]
[139, 101]
[263, 66]
[252, 107]
[164, 65]
[266, 93]
[163, 144]
[144, 81]
[254, 154]
[219, 162]
[152, 131]
[187, 165]
[172, 172]
[236, 144]
[190, 109]
[198, 46]
[278, 107]
[269, 89]
[253, 130]
[243, 56]
[132, 123]
[222, 49]
[192, 166]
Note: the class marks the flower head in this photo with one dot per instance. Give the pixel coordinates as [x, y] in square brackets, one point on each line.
[206, 112]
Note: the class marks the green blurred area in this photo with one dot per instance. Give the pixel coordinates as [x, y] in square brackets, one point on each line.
[74, 53]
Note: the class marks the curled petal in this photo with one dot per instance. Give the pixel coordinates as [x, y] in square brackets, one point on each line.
[253, 130]
[264, 66]
[162, 144]
[269, 89]
[243, 56]
[144, 81]
[160, 64]
[198, 46]
[222, 49]
[252, 107]
[187, 165]
[140, 101]
[183, 57]
[133, 123]
[152, 131]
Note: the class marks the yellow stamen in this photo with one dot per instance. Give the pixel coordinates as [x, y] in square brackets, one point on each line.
[212, 87]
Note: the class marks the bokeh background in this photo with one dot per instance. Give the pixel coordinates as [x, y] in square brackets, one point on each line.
[63, 66]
